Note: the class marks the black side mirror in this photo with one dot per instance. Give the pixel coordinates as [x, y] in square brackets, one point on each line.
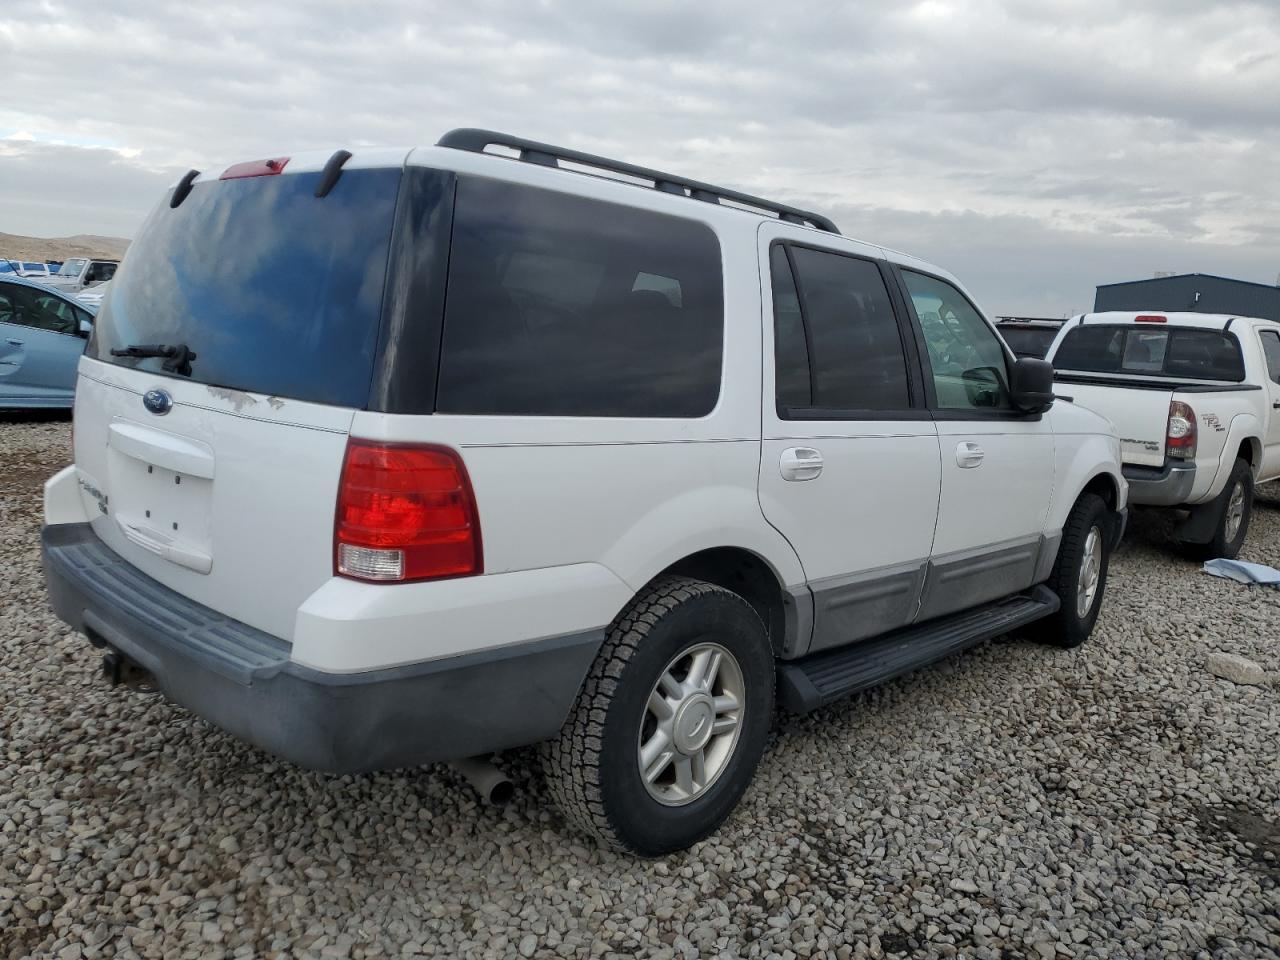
[1031, 385]
[984, 386]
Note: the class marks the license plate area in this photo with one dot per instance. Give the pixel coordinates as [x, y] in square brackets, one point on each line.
[163, 510]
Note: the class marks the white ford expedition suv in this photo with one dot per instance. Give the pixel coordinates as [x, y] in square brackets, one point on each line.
[1194, 398]
[403, 456]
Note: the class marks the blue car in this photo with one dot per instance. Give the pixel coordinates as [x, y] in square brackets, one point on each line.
[42, 335]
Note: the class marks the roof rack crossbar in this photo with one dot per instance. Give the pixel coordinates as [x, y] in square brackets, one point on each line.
[531, 151]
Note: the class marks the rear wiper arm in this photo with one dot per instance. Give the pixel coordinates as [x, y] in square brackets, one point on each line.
[177, 358]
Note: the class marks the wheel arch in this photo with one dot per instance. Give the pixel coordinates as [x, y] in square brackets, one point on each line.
[1089, 464]
[718, 534]
[753, 578]
[1244, 437]
[1105, 485]
[1250, 450]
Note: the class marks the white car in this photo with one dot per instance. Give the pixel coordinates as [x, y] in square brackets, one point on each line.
[92, 296]
[1194, 398]
[478, 451]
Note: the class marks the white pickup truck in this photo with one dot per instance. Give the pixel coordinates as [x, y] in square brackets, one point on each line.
[1194, 399]
[79, 273]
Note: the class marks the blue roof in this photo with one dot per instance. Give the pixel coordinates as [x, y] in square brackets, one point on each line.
[1178, 276]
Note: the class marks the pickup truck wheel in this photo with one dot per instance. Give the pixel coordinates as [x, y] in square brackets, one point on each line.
[1079, 576]
[1235, 508]
[671, 721]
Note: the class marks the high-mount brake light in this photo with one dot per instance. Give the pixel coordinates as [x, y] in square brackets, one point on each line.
[1150, 318]
[1180, 437]
[405, 512]
[254, 168]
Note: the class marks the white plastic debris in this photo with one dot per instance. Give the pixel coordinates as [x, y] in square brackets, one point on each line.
[1242, 572]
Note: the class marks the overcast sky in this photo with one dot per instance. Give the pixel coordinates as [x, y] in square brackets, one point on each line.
[1034, 147]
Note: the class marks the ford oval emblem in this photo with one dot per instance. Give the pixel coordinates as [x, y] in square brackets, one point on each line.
[158, 402]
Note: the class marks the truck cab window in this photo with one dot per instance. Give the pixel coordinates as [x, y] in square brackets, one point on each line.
[1271, 348]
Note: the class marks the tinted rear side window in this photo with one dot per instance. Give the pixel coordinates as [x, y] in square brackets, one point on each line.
[1180, 352]
[559, 305]
[790, 350]
[275, 290]
[855, 346]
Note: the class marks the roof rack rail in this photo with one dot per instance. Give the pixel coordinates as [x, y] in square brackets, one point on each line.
[544, 154]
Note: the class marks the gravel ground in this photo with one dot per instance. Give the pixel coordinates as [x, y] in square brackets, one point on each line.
[1015, 801]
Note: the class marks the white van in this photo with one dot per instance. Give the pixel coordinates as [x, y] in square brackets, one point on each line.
[402, 456]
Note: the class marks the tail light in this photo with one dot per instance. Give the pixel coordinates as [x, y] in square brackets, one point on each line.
[1150, 318]
[1180, 437]
[405, 512]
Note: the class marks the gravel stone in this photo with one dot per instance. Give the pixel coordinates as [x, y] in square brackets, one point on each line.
[1117, 800]
[1237, 669]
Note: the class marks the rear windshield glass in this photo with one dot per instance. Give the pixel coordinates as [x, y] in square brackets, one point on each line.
[559, 305]
[274, 290]
[1179, 352]
[1027, 341]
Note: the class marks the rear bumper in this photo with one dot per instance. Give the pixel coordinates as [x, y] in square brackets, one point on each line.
[1166, 486]
[244, 681]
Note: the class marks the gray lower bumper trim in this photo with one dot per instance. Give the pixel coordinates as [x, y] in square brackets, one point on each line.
[1165, 486]
[243, 681]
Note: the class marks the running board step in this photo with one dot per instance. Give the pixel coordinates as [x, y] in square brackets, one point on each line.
[813, 682]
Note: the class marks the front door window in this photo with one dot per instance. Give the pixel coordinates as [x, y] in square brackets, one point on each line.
[970, 369]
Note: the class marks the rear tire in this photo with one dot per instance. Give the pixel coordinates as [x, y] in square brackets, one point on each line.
[609, 769]
[1235, 508]
[1079, 576]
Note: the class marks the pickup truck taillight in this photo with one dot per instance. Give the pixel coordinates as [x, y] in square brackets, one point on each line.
[405, 512]
[1180, 437]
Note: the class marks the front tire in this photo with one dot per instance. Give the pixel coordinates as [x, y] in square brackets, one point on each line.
[671, 721]
[1079, 576]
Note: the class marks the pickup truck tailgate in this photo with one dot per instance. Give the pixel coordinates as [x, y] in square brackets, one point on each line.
[1141, 417]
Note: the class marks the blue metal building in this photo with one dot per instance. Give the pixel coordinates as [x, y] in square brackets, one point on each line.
[1195, 292]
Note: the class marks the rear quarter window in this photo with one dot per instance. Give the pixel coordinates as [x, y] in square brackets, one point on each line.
[559, 305]
[1183, 353]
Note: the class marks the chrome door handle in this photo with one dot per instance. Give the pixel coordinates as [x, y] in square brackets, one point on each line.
[968, 455]
[16, 343]
[800, 463]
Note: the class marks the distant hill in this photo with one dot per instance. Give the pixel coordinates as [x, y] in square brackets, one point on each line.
[13, 247]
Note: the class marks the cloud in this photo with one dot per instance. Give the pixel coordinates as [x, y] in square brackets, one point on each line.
[1148, 130]
[49, 189]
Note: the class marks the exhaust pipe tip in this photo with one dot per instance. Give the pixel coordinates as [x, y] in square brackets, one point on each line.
[493, 786]
[502, 792]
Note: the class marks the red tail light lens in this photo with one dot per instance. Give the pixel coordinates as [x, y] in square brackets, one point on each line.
[1150, 318]
[254, 168]
[1180, 437]
[405, 512]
